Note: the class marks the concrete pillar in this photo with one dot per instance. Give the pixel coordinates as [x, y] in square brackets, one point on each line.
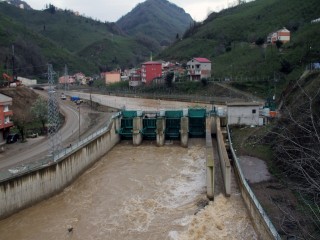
[184, 131]
[210, 183]
[115, 126]
[136, 131]
[212, 123]
[161, 126]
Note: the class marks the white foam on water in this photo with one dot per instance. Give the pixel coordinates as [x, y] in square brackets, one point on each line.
[187, 184]
[173, 235]
[185, 221]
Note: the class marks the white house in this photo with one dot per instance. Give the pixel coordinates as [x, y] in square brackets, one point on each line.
[27, 81]
[199, 68]
[244, 113]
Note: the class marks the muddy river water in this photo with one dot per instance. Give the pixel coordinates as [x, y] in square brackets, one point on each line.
[143, 192]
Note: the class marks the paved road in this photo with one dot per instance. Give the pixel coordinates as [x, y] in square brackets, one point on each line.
[37, 148]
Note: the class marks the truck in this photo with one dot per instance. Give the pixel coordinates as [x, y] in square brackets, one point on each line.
[75, 98]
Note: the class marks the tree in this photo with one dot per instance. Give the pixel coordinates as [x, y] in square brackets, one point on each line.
[297, 152]
[259, 41]
[279, 44]
[20, 120]
[169, 79]
[40, 111]
[52, 9]
[204, 81]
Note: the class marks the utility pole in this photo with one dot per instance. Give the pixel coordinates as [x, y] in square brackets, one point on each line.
[13, 71]
[66, 78]
[79, 120]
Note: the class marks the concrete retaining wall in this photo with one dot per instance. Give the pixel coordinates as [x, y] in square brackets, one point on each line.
[224, 158]
[261, 221]
[23, 191]
[209, 161]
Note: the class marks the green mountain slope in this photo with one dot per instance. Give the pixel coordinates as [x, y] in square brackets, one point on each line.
[32, 51]
[61, 37]
[158, 19]
[63, 27]
[228, 37]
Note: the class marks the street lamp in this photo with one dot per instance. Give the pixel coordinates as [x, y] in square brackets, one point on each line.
[79, 119]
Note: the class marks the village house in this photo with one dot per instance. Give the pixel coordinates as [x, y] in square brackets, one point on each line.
[282, 35]
[80, 78]
[27, 81]
[5, 117]
[199, 68]
[134, 77]
[111, 77]
[67, 80]
[150, 70]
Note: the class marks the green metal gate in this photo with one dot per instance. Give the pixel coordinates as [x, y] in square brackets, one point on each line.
[197, 122]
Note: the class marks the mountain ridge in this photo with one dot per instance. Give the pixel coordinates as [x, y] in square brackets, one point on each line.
[149, 17]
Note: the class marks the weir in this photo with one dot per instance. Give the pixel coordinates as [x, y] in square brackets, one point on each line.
[137, 126]
[163, 125]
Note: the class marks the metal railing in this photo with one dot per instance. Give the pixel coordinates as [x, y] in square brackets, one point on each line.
[254, 199]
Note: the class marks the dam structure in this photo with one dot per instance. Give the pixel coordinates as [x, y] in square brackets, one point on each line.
[196, 154]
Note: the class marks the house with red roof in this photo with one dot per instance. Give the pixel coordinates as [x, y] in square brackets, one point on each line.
[199, 68]
[282, 35]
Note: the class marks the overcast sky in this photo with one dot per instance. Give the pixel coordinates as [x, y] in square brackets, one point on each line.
[112, 10]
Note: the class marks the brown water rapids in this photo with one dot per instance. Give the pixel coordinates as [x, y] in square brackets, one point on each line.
[143, 192]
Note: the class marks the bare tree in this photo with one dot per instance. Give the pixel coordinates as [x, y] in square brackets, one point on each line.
[297, 150]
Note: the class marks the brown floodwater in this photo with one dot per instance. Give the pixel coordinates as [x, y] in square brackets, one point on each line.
[137, 192]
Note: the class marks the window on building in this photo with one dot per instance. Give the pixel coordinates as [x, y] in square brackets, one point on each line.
[7, 120]
[254, 111]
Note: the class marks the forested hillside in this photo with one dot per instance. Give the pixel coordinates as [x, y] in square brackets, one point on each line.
[157, 20]
[234, 39]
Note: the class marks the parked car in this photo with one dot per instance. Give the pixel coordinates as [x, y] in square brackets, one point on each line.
[32, 135]
[13, 137]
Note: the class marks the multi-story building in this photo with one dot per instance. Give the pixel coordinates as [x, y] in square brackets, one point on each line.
[134, 77]
[5, 117]
[150, 70]
[199, 68]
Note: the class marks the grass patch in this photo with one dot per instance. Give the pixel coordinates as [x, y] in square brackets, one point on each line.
[255, 142]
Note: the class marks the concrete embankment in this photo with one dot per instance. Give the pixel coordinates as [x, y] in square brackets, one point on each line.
[223, 156]
[25, 190]
[261, 221]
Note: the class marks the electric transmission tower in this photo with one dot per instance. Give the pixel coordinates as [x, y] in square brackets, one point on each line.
[53, 116]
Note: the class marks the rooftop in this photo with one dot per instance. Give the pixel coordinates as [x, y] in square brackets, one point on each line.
[5, 98]
[202, 60]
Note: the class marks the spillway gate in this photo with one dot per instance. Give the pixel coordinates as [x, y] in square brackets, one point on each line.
[163, 125]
